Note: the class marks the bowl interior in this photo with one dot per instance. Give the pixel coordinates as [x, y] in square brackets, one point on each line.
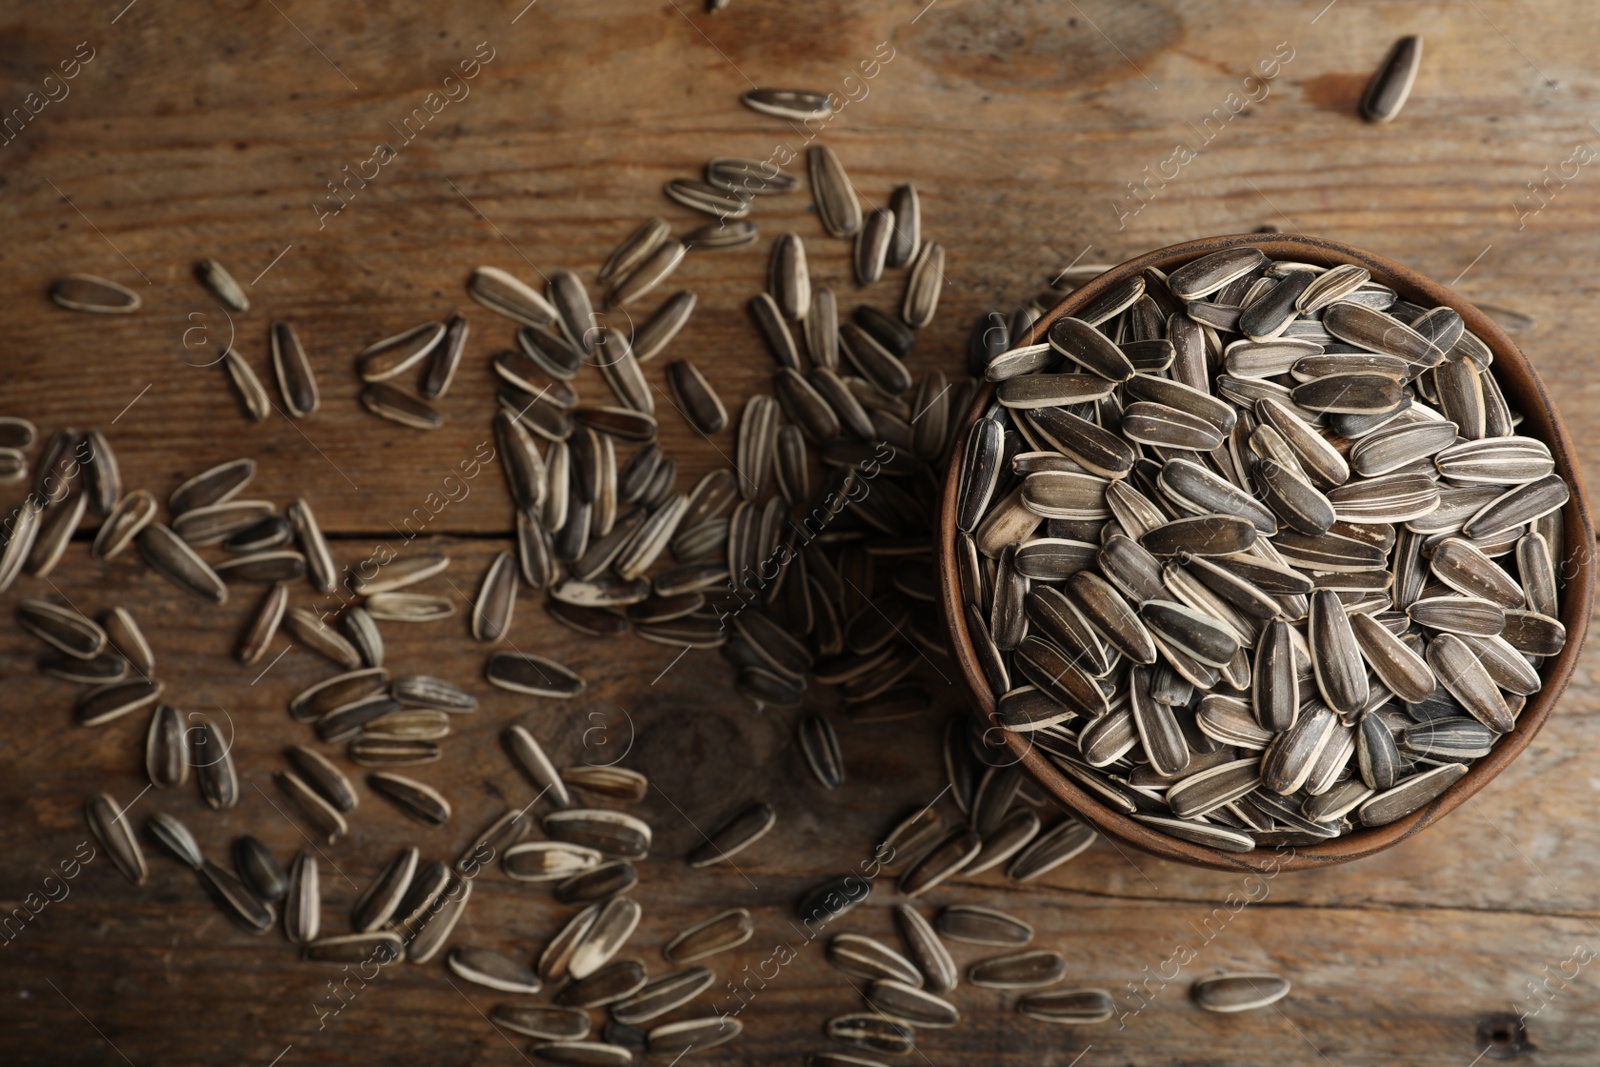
[1524, 393]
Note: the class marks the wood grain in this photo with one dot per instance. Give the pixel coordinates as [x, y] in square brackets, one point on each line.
[213, 130]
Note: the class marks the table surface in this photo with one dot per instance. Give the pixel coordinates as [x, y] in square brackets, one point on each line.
[215, 130]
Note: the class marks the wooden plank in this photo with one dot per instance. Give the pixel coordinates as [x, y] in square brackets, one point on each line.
[1022, 125]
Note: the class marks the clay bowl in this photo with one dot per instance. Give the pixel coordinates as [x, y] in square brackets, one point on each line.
[1523, 391]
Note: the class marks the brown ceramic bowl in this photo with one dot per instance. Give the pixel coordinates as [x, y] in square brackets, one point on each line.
[1523, 391]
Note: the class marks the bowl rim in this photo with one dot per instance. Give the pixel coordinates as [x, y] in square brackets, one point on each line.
[1524, 391]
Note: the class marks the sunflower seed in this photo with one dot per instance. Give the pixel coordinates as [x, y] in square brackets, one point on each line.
[1239, 992]
[1159, 734]
[611, 832]
[335, 692]
[821, 749]
[552, 1024]
[212, 760]
[796, 104]
[54, 534]
[1379, 332]
[656, 332]
[434, 929]
[788, 279]
[618, 783]
[872, 245]
[1409, 795]
[319, 637]
[1451, 739]
[534, 675]
[235, 898]
[1069, 1007]
[322, 816]
[874, 1032]
[497, 598]
[1206, 275]
[1458, 614]
[1386, 93]
[297, 383]
[421, 802]
[1020, 970]
[602, 883]
[17, 433]
[937, 969]
[680, 1037]
[61, 627]
[1534, 634]
[613, 925]
[405, 725]
[246, 386]
[614, 982]
[832, 190]
[302, 904]
[1464, 676]
[982, 926]
[911, 1005]
[1049, 850]
[103, 669]
[504, 294]
[660, 264]
[116, 836]
[172, 835]
[496, 970]
[215, 523]
[634, 249]
[388, 402]
[1397, 665]
[1518, 507]
[85, 292]
[107, 702]
[1336, 657]
[395, 355]
[749, 176]
[268, 567]
[132, 514]
[905, 226]
[622, 372]
[378, 903]
[697, 400]
[726, 930]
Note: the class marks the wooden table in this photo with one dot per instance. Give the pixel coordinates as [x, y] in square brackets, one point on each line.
[214, 131]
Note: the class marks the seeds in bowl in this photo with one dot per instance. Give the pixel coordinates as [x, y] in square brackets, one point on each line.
[1264, 556]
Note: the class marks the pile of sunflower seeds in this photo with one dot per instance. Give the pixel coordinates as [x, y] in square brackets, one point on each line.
[1255, 553]
[811, 560]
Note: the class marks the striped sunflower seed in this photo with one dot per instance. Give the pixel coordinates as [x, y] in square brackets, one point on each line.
[172, 835]
[721, 932]
[86, 292]
[495, 970]
[1391, 84]
[876, 1033]
[1238, 992]
[1019, 970]
[696, 399]
[910, 1005]
[421, 802]
[795, 104]
[504, 294]
[297, 382]
[832, 191]
[1069, 1007]
[115, 834]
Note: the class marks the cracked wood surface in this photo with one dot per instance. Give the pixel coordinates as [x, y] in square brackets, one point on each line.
[214, 132]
